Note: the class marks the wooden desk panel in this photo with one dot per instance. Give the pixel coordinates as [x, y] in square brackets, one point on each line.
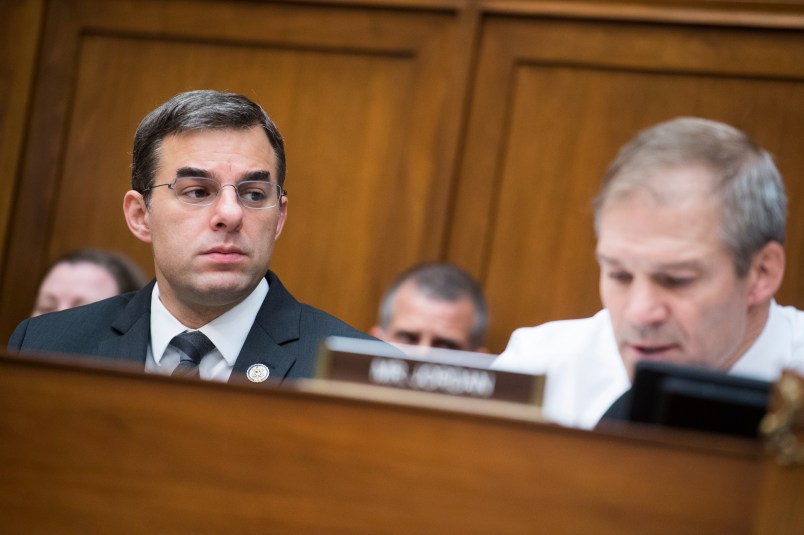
[105, 451]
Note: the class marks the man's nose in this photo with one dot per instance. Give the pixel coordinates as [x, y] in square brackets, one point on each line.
[646, 304]
[228, 210]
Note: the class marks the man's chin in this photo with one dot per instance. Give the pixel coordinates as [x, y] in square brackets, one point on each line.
[224, 289]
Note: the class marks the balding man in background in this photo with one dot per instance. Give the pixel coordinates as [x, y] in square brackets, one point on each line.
[436, 305]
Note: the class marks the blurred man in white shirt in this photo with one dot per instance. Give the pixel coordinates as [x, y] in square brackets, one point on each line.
[690, 224]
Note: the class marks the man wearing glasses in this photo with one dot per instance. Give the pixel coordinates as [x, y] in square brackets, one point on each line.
[207, 194]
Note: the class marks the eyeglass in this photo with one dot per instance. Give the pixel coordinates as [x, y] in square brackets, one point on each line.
[199, 191]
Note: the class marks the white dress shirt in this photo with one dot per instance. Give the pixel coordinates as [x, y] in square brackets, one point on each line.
[585, 373]
[228, 332]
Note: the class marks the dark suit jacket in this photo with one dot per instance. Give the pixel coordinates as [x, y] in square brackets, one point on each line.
[285, 335]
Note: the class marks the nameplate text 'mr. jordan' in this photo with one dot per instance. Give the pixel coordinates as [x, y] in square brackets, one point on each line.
[453, 373]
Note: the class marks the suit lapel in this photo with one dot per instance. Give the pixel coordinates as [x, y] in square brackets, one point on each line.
[277, 323]
[133, 329]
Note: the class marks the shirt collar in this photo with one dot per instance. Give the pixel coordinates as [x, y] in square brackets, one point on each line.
[766, 356]
[228, 331]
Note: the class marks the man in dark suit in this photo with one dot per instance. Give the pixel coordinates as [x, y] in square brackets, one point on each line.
[207, 193]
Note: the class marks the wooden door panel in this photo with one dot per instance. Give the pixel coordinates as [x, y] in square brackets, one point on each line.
[559, 99]
[363, 97]
[338, 178]
[20, 28]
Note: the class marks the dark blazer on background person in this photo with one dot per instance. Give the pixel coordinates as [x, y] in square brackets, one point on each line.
[285, 335]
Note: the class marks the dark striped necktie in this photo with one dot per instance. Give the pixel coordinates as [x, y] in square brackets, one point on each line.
[193, 346]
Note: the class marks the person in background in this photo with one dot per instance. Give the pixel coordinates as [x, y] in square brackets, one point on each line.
[690, 224]
[434, 305]
[85, 276]
[207, 193]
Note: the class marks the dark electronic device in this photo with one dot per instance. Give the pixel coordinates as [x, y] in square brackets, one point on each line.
[696, 398]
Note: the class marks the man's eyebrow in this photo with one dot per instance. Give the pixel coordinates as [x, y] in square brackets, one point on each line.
[405, 332]
[192, 172]
[197, 172]
[682, 264]
[258, 175]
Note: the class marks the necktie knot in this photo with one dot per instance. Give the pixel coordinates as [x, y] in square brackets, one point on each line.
[193, 346]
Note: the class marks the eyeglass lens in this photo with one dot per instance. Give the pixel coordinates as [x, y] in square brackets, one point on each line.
[203, 192]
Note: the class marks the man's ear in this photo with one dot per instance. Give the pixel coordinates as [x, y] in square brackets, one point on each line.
[283, 215]
[137, 215]
[377, 332]
[766, 273]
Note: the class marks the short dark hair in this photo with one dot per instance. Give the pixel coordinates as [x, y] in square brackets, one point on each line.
[197, 110]
[128, 276]
[441, 281]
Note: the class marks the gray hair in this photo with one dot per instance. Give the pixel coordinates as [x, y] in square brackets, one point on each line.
[443, 282]
[747, 183]
[197, 110]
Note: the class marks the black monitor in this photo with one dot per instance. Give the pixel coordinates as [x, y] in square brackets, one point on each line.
[696, 398]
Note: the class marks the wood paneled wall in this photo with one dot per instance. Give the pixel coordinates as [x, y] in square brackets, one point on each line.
[554, 99]
[463, 130]
[19, 35]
